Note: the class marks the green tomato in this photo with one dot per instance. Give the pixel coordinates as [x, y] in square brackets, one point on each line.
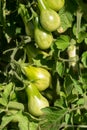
[35, 100]
[40, 77]
[49, 19]
[43, 38]
[55, 4]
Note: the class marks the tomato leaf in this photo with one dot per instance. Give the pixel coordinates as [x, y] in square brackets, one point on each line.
[5, 121]
[7, 90]
[84, 59]
[53, 118]
[60, 68]
[62, 42]
[33, 125]
[3, 102]
[68, 84]
[66, 20]
[15, 105]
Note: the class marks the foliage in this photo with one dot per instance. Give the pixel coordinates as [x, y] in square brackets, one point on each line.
[67, 94]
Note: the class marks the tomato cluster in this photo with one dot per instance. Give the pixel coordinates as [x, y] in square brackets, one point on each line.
[45, 21]
[49, 20]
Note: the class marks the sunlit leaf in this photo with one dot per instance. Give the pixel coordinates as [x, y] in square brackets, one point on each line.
[15, 105]
[62, 42]
[7, 90]
[5, 121]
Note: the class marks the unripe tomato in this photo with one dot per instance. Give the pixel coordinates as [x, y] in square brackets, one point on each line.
[55, 4]
[50, 20]
[35, 100]
[40, 77]
[43, 38]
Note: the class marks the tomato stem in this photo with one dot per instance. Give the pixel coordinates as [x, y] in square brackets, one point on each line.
[41, 5]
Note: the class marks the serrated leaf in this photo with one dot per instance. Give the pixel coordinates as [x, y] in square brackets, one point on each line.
[62, 42]
[59, 103]
[33, 126]
[5, 121]
[3, 102]
[66, 14]
[7, 90]
[52, 118]
[60, 68]
[66, 19]
[23, 122]
[68, 84]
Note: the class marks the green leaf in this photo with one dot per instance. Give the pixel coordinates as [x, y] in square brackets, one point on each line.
[15, 105]
[81, 36]
[62, 42]
[86, 40]
[79, 89]
[52, 118]
[60, 68]
[7, 90]
[23, 122]
[83, 78]
[80, 101]
[66, 15]
[18, 30]
[66, 20]
[3, 102]
[5, 121]
[68, 84]
[85, 101]
[2, 110]
[84, 59]
[67, 117]
[33, 126]
[59, 103]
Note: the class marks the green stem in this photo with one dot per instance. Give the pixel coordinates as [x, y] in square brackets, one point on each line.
[34, 14]
[14, 53]
[36, 22]
[79, 16]
[70, 111]
[41, 5]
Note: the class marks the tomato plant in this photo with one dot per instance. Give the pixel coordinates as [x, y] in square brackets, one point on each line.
[43, 64]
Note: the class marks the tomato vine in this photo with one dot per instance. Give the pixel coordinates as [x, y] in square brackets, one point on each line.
[43, 64]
